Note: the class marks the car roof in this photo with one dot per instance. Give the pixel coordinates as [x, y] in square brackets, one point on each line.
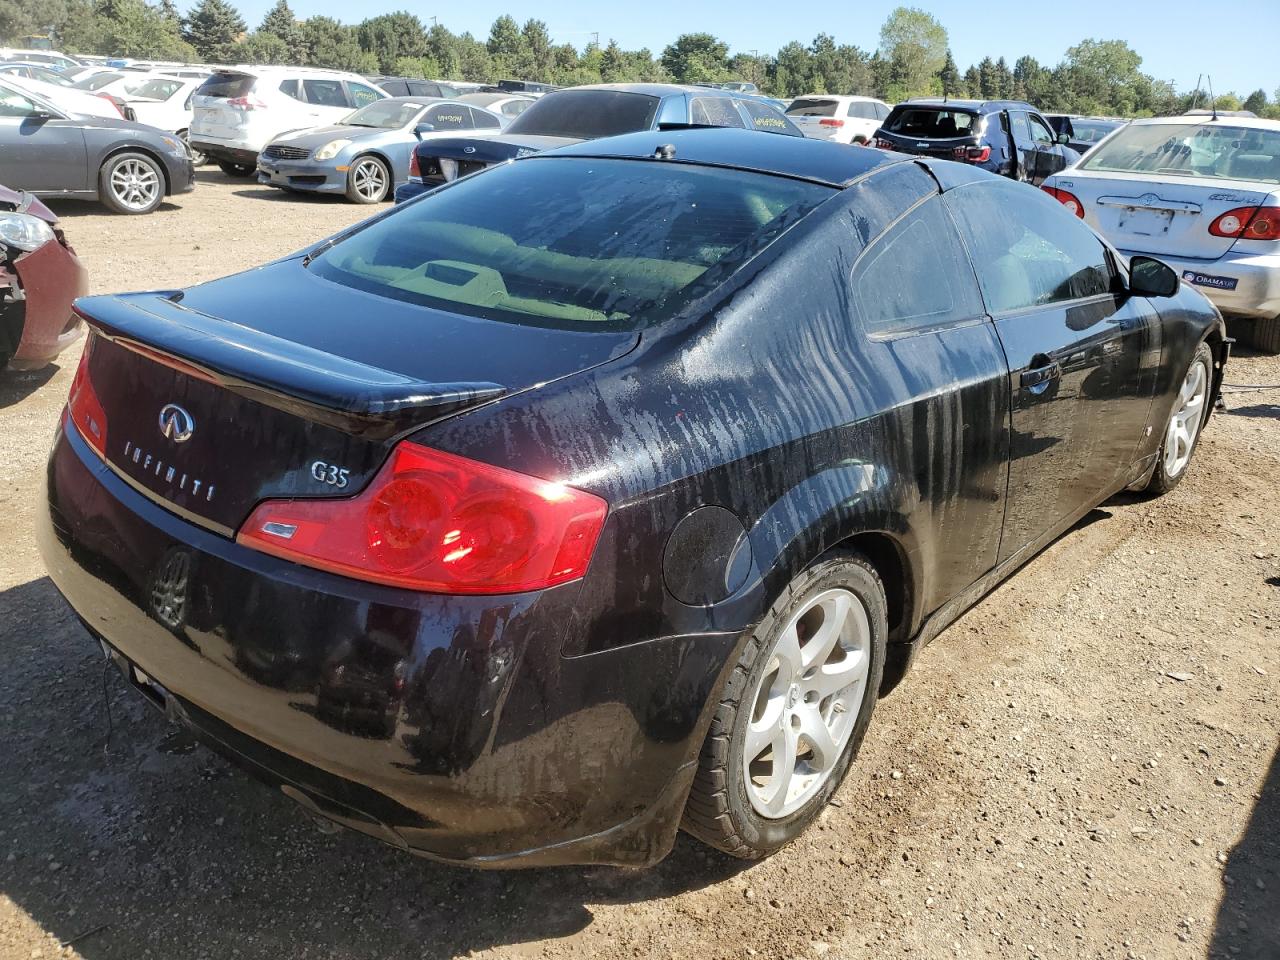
[821, 161]
[657, 89]
[961, 104]
[843, 97]
[1196, 120]
[485, 99]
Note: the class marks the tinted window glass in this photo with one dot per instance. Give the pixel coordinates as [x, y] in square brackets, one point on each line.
[810, 107]
[513, 108]
[1040, 133]
[417, 88]
[1027, 249]
[483, 119]
[290, 89]
[916, 275]
[882, 111]
[607, 244]
[227, 86]
[764, 117]
[1091, 131]
[863, 110]
[399, 88]
[930, 124]
[447, 116]
[587, 114]
[97, 81]
[362, 95]
[1191, 150]
[714, 112]
[324, 93]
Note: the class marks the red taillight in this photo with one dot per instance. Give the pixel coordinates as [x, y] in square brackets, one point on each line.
[111, 100]
[1067, 199]
[972, 154]
[440, 523]
[415, 170]
[884, 144]
[245, 103]
[1248, 223]
[829, 122]
[84, 407]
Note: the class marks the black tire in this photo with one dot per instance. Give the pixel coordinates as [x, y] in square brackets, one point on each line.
[140, 167]
[369, 166]
[1162, 481]
[198, 159]
[233, 169]
[1265, 335]
[860, 140]
[719, 812]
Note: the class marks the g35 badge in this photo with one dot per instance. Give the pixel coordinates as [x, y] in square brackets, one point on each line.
[330, 473]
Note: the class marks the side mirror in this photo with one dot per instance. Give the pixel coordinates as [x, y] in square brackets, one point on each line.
[422, 128]
[1064, 138]
[1149, 277]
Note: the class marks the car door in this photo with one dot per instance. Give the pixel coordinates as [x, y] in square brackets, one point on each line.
[40, 150]
[326, 99]
[1024, 147]
[1082, 354]
[946, 388]
[1050, 157]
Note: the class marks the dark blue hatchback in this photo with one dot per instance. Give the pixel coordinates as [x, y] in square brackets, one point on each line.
[1007, 137]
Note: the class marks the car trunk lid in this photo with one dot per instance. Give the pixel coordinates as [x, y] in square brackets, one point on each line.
[247, 389]
[1160, 217]
[221, 104]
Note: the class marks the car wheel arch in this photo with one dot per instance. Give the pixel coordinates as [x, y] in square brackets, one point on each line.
[145, 151]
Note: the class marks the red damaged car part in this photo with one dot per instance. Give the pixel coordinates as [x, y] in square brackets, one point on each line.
[37, 289]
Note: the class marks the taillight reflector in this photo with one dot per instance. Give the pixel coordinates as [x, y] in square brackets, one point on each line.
[884, 144]
[1248, 223]
[829, 122]
[972, 154]
[439, 523]
[415, 169]
[84, 407]
[1067, 199]
[245, 103]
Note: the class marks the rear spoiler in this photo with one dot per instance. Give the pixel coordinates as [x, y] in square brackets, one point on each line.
[353, 397]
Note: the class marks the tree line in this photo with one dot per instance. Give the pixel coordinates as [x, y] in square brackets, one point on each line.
[912, 57]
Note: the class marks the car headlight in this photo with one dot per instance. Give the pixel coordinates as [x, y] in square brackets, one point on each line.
[330, 149]
[24, 231]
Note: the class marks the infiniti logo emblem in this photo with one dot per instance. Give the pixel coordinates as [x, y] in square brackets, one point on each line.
[176, 423]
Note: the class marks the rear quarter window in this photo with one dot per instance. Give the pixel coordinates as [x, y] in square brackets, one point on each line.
[764, 117]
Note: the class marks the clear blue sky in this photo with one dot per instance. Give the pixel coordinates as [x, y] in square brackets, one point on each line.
[1232, 40]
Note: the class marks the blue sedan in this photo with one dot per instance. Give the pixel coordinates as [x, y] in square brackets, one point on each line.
[365, 155]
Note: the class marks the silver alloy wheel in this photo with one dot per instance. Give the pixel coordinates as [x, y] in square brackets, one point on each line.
[807, 702]
[135, 183]
[370, 179]
[1185, 421]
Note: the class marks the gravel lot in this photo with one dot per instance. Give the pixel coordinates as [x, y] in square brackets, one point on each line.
[1084, 766]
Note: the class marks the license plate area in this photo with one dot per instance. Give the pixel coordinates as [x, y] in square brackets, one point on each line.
[1145, 222]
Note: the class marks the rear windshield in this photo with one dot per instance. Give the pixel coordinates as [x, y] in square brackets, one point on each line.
[1191, 150]
[154, 89]
[926, 123]
[571, 242]
[227, 86]
[587, 114]
[813, 108]
[97, 81]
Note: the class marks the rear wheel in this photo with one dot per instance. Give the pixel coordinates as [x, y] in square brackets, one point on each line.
[1182, 431]
[131, 183]
[1265, 335]
[794, 711]
[368, 180]
[233, 169]
[197, 157]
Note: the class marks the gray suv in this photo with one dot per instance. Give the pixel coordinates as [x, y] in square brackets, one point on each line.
[50, 152]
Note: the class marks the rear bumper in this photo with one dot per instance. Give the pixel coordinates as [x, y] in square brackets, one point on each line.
[412, 188]
[49, 278]
[1256, 279]
[301, 175]
[448, 726]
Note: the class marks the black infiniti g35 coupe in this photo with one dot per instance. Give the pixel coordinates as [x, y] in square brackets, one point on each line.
[600, 494]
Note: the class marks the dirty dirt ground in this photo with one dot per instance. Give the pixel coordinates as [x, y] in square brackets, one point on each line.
[1084, 766]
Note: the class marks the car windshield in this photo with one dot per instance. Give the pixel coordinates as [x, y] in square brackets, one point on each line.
[813, 108]
[157, 89]
[571, 242]
[586, 114]
[930, 124]
[97, 81]
[1210, 149]
[387, 114]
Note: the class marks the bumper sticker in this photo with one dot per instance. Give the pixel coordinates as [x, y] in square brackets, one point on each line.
[1208, 280]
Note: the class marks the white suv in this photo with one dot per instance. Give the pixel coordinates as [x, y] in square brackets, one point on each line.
[839, 118]
[239, 110]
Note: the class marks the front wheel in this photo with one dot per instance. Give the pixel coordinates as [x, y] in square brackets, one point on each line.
[233, 169]
[368, 181]
[1182, 431]
[131, 183]
[794, 711]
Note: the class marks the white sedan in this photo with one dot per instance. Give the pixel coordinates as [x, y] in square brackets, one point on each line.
[164, 102]
[1201, 193]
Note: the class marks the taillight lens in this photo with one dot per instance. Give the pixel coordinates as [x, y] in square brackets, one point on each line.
[972, 154]
[439, 523]
[415, 169]
[884, 144]
[1248, 223]
[829, 122]
[111, 100]
[1067, 199]
[246, 103]
[84, 407]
